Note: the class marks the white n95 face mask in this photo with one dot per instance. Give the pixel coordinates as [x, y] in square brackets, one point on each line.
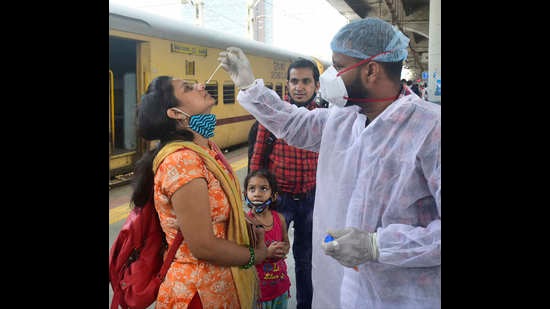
[332, 87]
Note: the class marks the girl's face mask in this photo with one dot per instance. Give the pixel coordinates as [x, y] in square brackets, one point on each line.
[258, 207]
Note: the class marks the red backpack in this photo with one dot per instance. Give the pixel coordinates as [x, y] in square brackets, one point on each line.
[136, 266]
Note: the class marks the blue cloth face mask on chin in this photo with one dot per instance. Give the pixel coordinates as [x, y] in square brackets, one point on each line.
[204, 124]
[258, 207]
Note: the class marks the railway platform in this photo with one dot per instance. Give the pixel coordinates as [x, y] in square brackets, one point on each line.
[119, 198]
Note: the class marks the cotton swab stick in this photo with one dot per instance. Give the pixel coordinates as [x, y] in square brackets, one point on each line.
[216, 70]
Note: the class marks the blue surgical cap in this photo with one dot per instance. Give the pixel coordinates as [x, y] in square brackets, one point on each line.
[370, 36]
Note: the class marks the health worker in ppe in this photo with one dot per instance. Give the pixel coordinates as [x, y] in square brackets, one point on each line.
[378, 175]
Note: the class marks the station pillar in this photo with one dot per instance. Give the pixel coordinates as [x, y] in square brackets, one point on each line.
[434, 52]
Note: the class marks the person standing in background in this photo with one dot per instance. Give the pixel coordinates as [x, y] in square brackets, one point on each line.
[425, 91]
[295, 171]
[415, 89]
[261, 196]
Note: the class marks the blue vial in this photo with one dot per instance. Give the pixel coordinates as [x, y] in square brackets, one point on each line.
[329, 238]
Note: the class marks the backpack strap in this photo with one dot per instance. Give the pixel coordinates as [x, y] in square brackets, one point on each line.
[170, 255]
[269, 142]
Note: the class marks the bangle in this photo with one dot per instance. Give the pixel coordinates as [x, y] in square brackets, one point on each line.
[252, 259]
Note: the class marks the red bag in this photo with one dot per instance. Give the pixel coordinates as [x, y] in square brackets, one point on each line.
[136, 267]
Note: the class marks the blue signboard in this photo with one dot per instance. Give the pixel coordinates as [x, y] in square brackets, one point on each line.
[424, 75]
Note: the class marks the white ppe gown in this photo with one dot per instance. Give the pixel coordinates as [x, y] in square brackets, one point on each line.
[383, 178]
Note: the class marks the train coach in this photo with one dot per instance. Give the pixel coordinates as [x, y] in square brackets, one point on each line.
[143, 46]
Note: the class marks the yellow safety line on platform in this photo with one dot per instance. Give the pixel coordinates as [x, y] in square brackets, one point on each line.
[121, 212]
[237, 165]
[118, 213]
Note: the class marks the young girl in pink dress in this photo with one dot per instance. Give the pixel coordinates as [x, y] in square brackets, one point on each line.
[261, 195]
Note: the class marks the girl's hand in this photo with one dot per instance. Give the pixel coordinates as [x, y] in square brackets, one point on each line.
[285, 245]
[258, 240]
[278, 250]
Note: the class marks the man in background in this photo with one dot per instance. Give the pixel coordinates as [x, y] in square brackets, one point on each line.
[295, 170]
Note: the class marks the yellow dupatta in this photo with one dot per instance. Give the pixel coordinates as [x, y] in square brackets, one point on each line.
[246, 280]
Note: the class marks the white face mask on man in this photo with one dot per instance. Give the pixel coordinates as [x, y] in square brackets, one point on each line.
[332, 87]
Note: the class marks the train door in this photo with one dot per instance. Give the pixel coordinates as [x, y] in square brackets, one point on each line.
[126, 78]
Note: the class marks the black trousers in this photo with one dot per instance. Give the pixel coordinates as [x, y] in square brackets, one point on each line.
[299, 209]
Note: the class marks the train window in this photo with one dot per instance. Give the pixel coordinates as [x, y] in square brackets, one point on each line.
[212, 88]
[189, 67]
[269, 85]
[279, 89]
[228, 92]
[190, 81]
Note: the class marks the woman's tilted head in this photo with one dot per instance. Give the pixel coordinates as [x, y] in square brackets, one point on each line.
[169, 107]
[152, 120]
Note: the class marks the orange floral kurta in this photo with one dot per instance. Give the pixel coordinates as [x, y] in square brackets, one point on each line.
[187, 275]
